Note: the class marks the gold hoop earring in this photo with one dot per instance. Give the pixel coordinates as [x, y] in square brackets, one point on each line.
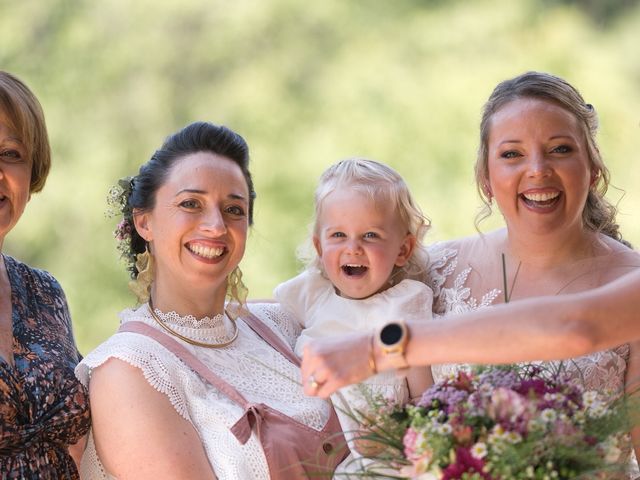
[141, 286]
[236, 289]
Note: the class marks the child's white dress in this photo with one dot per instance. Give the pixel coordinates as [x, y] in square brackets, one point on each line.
[312, 300]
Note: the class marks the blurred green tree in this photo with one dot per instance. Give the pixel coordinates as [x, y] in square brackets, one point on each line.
[306, 84]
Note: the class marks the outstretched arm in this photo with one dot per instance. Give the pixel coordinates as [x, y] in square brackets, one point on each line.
[544, 328]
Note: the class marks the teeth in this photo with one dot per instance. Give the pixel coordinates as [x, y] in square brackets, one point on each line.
[354, 265]
[206, 251]
[540, 197]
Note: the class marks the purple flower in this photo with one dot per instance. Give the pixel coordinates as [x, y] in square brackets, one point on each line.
[447, 397]
[123, 230]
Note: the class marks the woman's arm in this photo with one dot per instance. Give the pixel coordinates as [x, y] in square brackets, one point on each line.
[418, 380]
[77, 449]
[544, 328]
[137, 433]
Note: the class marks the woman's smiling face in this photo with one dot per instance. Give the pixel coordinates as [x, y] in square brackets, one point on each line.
[198, 226]
[539, 168]
[15, 178]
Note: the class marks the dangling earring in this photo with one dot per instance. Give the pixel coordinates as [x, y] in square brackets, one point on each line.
[236, 290]
[595, 176]
[141, 286]
[488, 194]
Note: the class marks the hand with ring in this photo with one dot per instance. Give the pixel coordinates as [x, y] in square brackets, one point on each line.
[332, 363]
[313, 383]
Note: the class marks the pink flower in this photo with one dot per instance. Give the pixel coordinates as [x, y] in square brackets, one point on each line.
[508, 406]
[416, 449]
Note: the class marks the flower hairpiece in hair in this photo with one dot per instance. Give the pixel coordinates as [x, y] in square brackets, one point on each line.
[118, 201]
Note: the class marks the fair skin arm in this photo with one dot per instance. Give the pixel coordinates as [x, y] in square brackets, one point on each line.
[418, 380]
[146, 438]
[546, 328]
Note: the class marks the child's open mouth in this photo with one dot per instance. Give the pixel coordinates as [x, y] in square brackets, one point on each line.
[353, 270]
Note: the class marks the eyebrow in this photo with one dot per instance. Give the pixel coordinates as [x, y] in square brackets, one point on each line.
[233, 196]
[555, 137]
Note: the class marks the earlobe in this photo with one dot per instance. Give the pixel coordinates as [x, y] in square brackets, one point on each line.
[318, 246]
[595, 175]
[141, 222]
[406, 250]
[487, 191]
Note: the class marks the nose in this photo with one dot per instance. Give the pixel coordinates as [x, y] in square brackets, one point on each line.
[539, 165]
[213, 222]
[354, 246]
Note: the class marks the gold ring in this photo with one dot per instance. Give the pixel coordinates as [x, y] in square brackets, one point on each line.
[313, 383]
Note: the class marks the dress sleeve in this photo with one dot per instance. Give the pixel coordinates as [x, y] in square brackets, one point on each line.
[161, 368]
[414, 301]
[299, 294]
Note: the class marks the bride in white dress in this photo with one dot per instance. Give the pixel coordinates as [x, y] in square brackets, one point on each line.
[538, 160]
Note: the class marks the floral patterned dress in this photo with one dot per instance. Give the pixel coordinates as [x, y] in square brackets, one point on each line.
[43, 408]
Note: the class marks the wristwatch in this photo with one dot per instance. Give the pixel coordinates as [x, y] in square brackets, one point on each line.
[392, 340]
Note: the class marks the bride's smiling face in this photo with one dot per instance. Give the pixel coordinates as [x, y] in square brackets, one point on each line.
[539, 168]
[198, 226]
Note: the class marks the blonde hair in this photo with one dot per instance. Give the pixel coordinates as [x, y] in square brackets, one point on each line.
[21, 110]
[382, 184]
[598, 214]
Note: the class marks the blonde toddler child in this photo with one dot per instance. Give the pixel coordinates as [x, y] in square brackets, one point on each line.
[367, 242]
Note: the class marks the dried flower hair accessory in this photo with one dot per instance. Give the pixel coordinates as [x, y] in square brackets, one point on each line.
[118, 206]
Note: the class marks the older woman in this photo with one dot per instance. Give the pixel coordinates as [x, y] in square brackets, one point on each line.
[539, 162]
[43, 408]
[193, 387]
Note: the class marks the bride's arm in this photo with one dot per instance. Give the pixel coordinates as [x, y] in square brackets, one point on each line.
[532, 329]
[137, 433]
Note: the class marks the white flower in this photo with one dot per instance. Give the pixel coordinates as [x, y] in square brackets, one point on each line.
[513, 437]
[611, 450]
[479, 450]
[427, 476]
[444, 429]
[589, 397]
[548, 415]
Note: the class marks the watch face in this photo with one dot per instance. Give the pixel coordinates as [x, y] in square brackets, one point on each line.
[391, 334]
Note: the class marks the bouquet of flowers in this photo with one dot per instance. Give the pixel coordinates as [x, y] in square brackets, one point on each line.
[515, 422]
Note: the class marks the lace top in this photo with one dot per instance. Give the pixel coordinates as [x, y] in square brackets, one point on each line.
[602, 371]
[43, 408]
[253, 367]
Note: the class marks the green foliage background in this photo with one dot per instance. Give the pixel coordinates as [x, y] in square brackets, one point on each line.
[306, 83]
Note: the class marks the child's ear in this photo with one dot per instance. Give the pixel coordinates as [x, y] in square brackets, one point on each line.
[318, 246]
[141, 222]
[406, 250]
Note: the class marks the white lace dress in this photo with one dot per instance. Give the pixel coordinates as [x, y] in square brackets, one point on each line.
[253, 367]
[602, 371]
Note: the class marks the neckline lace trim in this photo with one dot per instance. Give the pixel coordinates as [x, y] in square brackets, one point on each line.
[216, 329]
[190, 321]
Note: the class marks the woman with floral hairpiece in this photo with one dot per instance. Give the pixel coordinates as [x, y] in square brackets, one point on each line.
[44, 410]
[539, 162]
[194, 385]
